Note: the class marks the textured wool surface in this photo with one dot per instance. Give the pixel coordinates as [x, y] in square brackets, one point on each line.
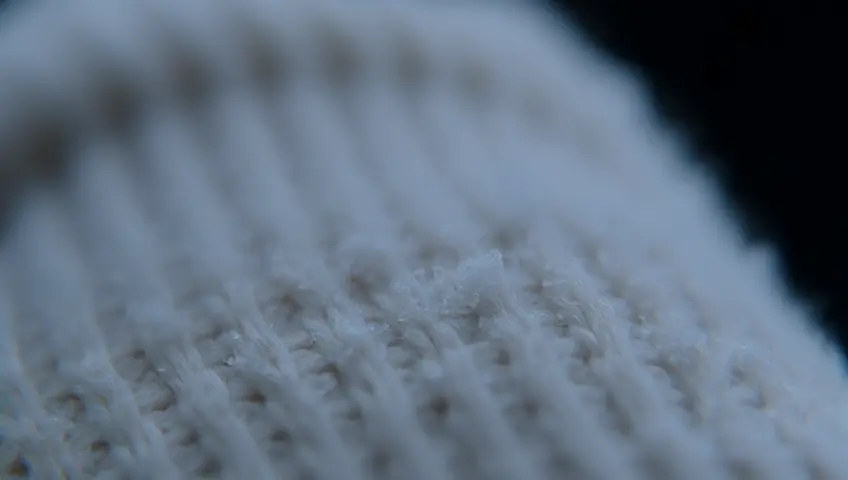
[406, 240]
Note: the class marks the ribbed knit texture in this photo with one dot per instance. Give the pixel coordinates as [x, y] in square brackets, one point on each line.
[354, 240]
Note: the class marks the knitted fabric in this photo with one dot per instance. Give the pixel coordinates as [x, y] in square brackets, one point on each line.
[408, 240]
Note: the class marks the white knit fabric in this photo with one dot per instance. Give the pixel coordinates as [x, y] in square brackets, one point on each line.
[325, 240]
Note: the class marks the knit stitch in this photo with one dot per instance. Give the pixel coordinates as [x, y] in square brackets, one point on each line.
[403, 240]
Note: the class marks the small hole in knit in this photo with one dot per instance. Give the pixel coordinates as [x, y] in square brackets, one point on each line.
[217, 331]
[475, 81]
[428, 253]
[341, 59]
[256, 397]
[583, 352]
[503, 358]
[10, 186]
[530, 408]
[73, 404]
[816, 471]
[281, 436]
[191, 81]
[440, 406]
[412, 65]
[332, 370]
[754, 395]
[100, 449]
[210, 468]
[119, 104]
[353, 414]
[19, 468]
[291, 304]
[164, 402]
[380, 461]
[619, 420]
[506, 238]
[469, 327]
[740, 468]
[431, 253]
[357, 286]
[536, 287]
[44, 145]
[192, 438]
[138, 354]
[265, 64]
[100, 446]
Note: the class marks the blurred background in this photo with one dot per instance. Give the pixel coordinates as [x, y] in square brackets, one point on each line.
[759, 86]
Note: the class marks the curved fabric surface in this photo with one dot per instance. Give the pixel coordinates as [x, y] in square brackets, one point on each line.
[397, 240]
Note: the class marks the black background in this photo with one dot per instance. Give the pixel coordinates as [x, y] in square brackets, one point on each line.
[759, 85]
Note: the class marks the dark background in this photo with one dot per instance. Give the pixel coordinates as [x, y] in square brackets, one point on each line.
[759, 85]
